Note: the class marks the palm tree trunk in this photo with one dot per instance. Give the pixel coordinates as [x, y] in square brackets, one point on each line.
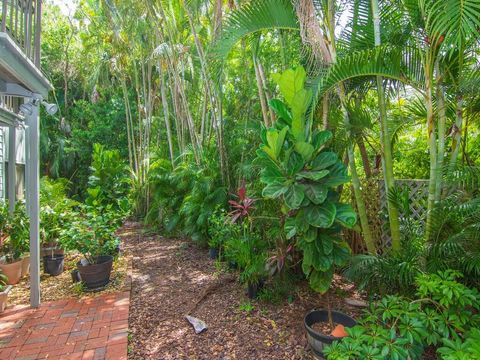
[261, 94]
[457, 133]
[432, 144]
[441, 132]
[386, 143]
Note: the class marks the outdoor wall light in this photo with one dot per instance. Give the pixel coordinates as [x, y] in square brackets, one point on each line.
[50, 108]
[26, 109]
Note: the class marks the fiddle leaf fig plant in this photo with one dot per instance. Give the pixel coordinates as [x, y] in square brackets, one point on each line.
[300, 171]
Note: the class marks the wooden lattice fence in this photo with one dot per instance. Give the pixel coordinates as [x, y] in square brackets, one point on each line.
[417, 193]
[376, 204]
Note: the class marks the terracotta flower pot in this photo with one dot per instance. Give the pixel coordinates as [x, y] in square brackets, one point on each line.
[12, 271]
[4, 297]
[25, 265]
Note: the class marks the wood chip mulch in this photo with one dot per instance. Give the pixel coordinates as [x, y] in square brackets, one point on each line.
[173, 277]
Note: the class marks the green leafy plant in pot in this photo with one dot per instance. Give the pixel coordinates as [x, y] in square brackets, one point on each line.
[14, 241]
[93, 236]
[299, 170]
[246, 249]
[248, 253]
[220, 229]
[50, 232]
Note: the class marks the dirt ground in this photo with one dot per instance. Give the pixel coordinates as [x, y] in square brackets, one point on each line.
[173, 277]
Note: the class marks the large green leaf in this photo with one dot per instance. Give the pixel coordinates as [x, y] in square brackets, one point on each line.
[316, 193]
[311, 234]
[320, 138]
[452, 22]
[346, 215]
[271, 174]
[290, 228]
[294, 196]
[292, 86]
[313, 175]
[341, 253]
[338, 176]
[320, 280]
[327, 243]
[305, 149]
[275, 140]
[274, 190]
[295, 163]
[321, 216]
[254, 16]
[281, 110]
[324, 160]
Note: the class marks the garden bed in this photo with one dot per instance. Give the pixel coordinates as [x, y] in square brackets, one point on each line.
[173, 277]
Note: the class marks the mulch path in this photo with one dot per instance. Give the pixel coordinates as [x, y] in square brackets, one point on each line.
[174, 277]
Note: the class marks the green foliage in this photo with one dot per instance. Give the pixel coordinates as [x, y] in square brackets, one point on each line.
[92, 234]
[298, 169]
[453, 244]
[221, 228]
[248, 252]
[396, 327]
[15, 231]
[108, 184]
[56, 210]
[184, 199]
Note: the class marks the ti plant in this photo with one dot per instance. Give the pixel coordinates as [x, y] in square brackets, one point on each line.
[300, 171]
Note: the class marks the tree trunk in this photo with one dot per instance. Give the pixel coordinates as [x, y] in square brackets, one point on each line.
[386, 143]
[441, 133]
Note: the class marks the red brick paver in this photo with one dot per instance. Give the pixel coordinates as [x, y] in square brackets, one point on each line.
[93, 328]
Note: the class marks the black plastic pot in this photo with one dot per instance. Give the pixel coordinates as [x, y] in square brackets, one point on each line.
[319, 340]
[53, 265]
[75, 276]
[213, 253]
[96, 275]
[254, 288]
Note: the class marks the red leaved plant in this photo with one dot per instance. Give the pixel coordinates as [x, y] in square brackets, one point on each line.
[242, 207]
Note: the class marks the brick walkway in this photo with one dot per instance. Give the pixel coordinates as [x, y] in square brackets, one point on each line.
[94, 328]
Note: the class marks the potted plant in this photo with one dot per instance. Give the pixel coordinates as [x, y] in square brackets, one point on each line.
[50, 230]
[220, 229]
[93, 236]
[300, 172]
[55, 214]
[4, 290]
[15, 243]
[247, 251]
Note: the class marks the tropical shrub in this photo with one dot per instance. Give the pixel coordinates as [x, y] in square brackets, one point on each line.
[56, 210]
[300, 171]
[453, 245]
[183, 199]
[221, 229]
[443, 311]
[15, 229]
[109, 182]
[92, 235]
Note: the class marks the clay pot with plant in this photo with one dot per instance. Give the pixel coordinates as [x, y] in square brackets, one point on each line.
[93, 236]
[303, 174]
[15, 243]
